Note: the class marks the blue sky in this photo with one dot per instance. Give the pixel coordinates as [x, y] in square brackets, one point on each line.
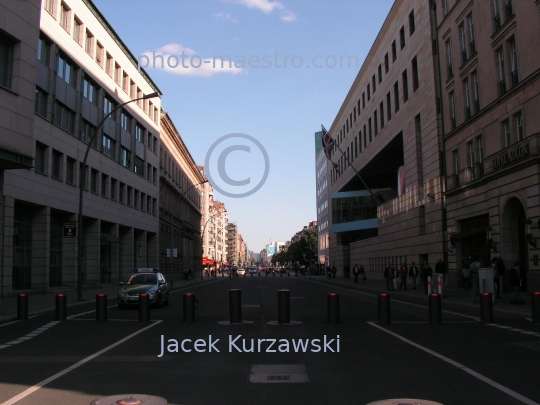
[281, 107]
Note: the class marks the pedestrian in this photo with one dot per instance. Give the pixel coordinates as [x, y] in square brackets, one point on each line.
[308, 270]
[362, 273]
[475, 266]
[466, 276]
[413, 273]
[396, 277]
[356, 272]
[426, 272]
[515, 283]
[496, 279]
[389, 275]
[334, 272]
[403, 276]
[501, 269]
[440, 268]
[186, 273]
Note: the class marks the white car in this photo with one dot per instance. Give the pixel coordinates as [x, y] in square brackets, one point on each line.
[241, 271]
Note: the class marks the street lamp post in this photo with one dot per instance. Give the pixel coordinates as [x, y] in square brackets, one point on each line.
[204, 227]
[82, 178]
[172, 225]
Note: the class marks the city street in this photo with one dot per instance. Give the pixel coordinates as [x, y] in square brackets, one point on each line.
[461, 361]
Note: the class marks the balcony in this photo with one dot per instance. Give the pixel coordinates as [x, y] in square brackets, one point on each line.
[502, 87]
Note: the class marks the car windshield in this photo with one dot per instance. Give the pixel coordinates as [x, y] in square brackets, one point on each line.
[142, 279]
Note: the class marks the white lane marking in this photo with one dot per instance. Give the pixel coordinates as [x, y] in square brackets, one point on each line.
[191, 286]
[9, 323]
[41, 384]
[485, 379]
[530, 333]
[517, 330]
[29, 335]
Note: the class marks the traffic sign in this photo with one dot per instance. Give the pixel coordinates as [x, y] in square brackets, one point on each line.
[70, 229]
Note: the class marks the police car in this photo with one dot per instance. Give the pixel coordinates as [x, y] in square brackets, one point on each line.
[144, 280]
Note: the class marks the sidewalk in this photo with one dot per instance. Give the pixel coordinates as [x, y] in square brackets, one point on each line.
[43, 302]
[377, 283]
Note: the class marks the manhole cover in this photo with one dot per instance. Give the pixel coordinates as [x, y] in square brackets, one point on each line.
[130, 399]
[278, 373]
[404, 401]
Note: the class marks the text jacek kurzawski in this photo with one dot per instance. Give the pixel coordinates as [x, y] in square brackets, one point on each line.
[237, 344]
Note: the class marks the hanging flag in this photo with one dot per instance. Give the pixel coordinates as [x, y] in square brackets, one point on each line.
[327, 141]
[336, 166]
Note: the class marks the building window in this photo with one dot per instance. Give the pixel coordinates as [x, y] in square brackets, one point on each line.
[125, 121]
[402, 37]
[136, 199]
[444, 8]
[472, 40]
[415, 73]
[87, 131]
[40, 102]
[78, 31]
[125, 157]
[104, 185]
[370, 129]
[452, 111]
[108, 146]
[41, 158]
[411, 22]
[394, 51]
[117, 73]
[89, 91]
[139, 131]
[449, 65]
[6, 61]
[94, 181]
[108, 64]
[509, 8]
[66, 70]
[497, 15]
[154, 141]
[463, 43]
[467, 98]
[43, 51]
[70, 171]
[381, 112]
[99, 54]
[125, 83]
[49, 6]
[396, 96]
[455, 161]
[507, 136]
[501, 71]
[121, 191]
[375, 122]
[405, 86]
[388, 107]
[89, 44]
[476, 92]
[64, 118]
[113, 189]
[129, 196]
[138, 166]
[386, 63]
[368, 93]
[519, 126]
[480, 149]
[513, 62]
[108, 106]
[56, 167]
[380, 74]
[470, 153]
[65, 17]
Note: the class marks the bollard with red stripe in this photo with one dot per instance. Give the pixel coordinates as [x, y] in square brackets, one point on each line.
[439, 284]
[429, 285]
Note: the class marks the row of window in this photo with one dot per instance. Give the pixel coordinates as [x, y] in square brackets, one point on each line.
[84, 37]
[377, 78]
[65, 168]
[381, 116]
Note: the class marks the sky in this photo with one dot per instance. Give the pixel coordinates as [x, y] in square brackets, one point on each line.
[252, 120]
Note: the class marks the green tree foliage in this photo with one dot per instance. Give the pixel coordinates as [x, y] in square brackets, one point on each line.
[306, 246]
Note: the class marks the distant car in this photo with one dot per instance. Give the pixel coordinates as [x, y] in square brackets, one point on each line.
[241, 271]
[148, 281]
[253, 270]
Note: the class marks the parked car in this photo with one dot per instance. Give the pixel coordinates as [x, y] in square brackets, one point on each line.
[144, 280]
[241, 271]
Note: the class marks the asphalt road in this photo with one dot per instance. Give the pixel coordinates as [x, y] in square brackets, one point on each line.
[461, 361]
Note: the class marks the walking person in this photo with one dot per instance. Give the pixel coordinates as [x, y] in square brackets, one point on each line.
[356, 272]
[426, 272]
[466, 276]
[334, 272]
[515, 283]
[389, 276]
[396, 277]
[362, 273]
[475, 266]
[403, 276]
[413, 273]
[440, 268]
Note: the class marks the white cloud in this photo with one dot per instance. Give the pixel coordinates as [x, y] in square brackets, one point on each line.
[287, 16]
[180, 60]
[225, 17]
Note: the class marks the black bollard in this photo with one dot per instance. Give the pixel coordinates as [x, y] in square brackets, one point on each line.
[284, 306]
[22, 307]
[281, 274]
[259, 273]
[332, 301]
[235, 306]
[486, 307]
[144, 308]
[101, 307]
[222, 274]
[288, 274]
[435, 313]
[266, 273]
[190, 304]
[61, 312]
[274, 274]
[535, 302]
[384, 308]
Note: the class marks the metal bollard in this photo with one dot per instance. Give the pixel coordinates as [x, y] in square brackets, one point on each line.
[274, 274]
[439, 284]
[435, 312]
[281, 274]
[266, 273]
[190, 304]
[235, 306]
[288, 274]
[486, 307]
[535, 302]
[101, 307]
[61, 305]
[22, 307]
[259, 273]
[284, 306]
[251, 275]
[332, 302]
[144, 308]
[429, 285]
[384, 308]
[222, 274]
